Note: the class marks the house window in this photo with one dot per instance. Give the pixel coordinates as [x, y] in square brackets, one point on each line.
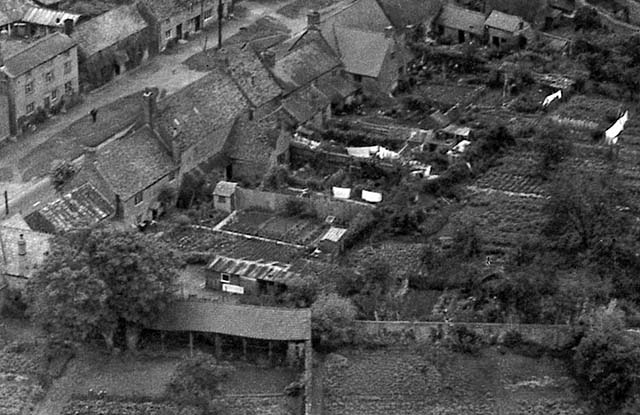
[30, 108]
[138, 197]
[208, 13]
[67, 67]
[68, 88]
[54, 95]
[48, 76]
[139, 219]
[222, 199]
[67, 53]
[224, 277]
[28, 87]
[357, 78]
[393, 55]
[167, 34]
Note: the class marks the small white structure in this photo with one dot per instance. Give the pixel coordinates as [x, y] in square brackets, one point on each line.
[549, 99]
[224, 196]
[371, 197]
[341, 192]
[372, 151]
[611, 135]
[331, 241]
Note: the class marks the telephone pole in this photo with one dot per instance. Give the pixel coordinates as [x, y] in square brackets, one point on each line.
[220, 12]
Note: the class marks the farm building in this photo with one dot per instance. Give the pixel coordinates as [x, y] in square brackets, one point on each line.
[505, 29]
[332, 241]
[110, 44]
[38, 22]
[224, 197]
[460, 24]
[279, 330]
[240, 276]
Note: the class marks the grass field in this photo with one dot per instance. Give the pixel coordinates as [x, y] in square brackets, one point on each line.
[429, 382]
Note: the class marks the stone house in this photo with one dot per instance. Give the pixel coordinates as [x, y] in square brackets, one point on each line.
[172, 20]
[459, 24]
[39, 76]
[506, 29]
[224, 196]
[112, 43]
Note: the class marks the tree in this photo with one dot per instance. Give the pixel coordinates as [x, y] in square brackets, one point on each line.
[586, 18]
[98, 281]
[553, 147]
[332, 320]
[196, 381]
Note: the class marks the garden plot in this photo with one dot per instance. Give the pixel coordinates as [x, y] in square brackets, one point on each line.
[599, 110]
[408, 382]
[19, 372]
[502, 221]
[515, 174]
[291, 229]
[447, 96]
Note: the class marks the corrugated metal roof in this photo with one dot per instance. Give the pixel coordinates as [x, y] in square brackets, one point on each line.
[265, 271]
[334, 234]
[47, 17]
[266, 323]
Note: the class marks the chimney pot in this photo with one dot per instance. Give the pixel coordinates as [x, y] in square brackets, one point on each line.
[313, 19]
[22, 246]
[68, 27]
[150, 97]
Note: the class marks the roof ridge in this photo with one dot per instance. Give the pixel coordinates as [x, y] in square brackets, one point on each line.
[37, 42]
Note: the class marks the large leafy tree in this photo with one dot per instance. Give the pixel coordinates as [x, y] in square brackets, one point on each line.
[100, 280]
[332, 320]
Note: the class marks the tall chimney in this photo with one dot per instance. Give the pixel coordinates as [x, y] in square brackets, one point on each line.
[68, 26]
[151, 105]
[313, 19]
[269, 58]
[176, 146]
[388, 32]
[22, 256]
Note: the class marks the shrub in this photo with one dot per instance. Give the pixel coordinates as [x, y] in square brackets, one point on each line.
[332, 320]
[182, 221]
[62, 173]
[294, 207]
[196, 381]
[512, 338]
[167, 195]
[463, 340]
[361, 226]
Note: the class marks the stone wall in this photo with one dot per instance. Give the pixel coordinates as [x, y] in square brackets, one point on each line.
[323, 204]
[546, 334]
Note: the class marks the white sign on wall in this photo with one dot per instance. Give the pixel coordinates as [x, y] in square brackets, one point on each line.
[230, 288]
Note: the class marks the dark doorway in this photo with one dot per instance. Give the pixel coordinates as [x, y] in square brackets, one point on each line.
[496, 41]
[47, 103]
[197, 22]
[116, 69]
[179, 31]
[460, 36]
[228, 172]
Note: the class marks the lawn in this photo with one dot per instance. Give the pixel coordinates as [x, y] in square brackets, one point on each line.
[70, 143]
[429, 381]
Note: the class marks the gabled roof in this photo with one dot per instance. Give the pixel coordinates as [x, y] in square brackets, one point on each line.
[108, 29]
[48, 17]
[38, 53]
[249, 73]
[266, 323]
[336, 86]
[305, 103]
[363, 52]
[506, 22]
[225, 188]
[459, 18]
[304, 63]
[134, 162]
[163, 9]
[252, 141]
[403, 13]
[357, 14]
[82, 207]
[197, 111]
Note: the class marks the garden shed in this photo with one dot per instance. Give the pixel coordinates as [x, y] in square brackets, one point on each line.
[224, 196]
[332, 241]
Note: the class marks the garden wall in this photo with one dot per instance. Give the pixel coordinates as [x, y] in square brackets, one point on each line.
[324, 205]
[549, 335]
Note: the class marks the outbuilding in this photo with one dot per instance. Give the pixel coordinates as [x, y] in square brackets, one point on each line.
[224, 196]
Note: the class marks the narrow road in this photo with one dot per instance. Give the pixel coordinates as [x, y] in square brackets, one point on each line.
[165, 71]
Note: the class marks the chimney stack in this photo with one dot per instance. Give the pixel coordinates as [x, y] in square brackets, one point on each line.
[269, 58]
[388, 32]
[22, 246]
[176, 147]
[149, 96]
[22, 256]
[68, 27]
[313, 19]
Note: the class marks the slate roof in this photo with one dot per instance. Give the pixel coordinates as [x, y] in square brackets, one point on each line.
[303, 64]
[506, 22]
[134, 162]
[357, 14]
[363, 52]
[38, 53]
[48, 17]
[108, 29]
[336, 87]
[459, 18]
[37, 245]
[267, 323]
[252, 141]
[166, 8]
[305, 103]
[403, 13]
[251, 76]
[13, 10]
[82, 207]
[197, 111]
